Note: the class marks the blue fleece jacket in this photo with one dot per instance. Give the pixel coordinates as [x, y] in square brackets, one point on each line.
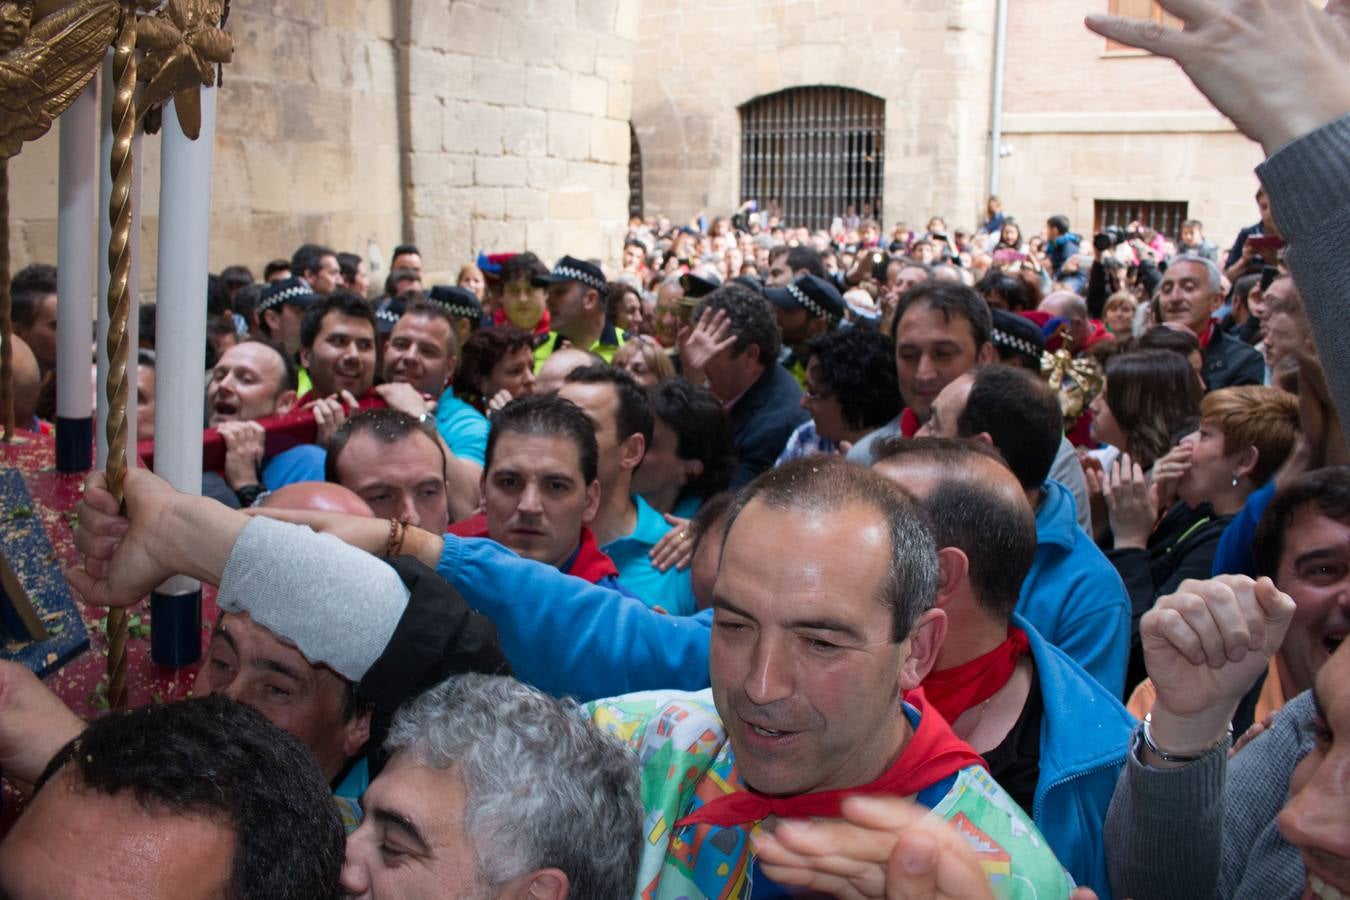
[1085, 734]
[572, 638]
[1074, 596]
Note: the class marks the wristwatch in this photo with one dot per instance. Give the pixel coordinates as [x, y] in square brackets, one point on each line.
[1146, 737]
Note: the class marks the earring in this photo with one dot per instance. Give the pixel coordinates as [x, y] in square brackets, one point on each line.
[1234, 481]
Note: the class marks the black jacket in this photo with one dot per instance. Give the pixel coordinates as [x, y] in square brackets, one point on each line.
[438, 636]
[763, 419]
[1182, 546]
[1229, 362]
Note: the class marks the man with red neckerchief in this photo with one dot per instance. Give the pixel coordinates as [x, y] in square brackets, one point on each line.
[823, 617]
[1053, 737]
[540, 488]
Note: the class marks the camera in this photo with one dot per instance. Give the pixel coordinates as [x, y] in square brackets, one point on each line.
[1111, 236]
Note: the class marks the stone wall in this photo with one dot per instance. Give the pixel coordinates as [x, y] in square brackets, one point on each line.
[699, 60]
[306, 142]
[518, 114]
[461, 126]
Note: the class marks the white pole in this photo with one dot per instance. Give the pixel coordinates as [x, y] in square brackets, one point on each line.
[996, 113]
[75, 261]
[180, 357]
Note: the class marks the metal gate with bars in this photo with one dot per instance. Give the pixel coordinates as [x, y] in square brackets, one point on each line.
[1161, 215]
[809, 153]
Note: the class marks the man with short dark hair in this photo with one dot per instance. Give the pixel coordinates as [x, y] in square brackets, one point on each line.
[318, 265]
[420, 359]
[194, 799]
[277, 270]
[355, 276]
[33, 301]
[786, 264]
[337, 347]
[541, 488]
[1192, 241]
[395, 463]
[577, 291]
[941, 332]
[1053, 736]
[1061, 244]
[625, 525]
[734, 349]
[406, 256]
[1190, 293]
[1072, 593]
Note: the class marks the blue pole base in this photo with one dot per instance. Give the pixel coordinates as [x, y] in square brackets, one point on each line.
[175, 628]
[74, 444]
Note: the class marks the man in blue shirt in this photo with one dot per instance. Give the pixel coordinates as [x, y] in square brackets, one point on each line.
[625, 526]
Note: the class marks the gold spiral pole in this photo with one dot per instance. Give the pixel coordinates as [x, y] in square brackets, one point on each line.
[6, 325]
[119, 310]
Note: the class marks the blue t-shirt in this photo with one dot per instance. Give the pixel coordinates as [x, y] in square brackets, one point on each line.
[464, 429]
[303, 463]
[672, 590]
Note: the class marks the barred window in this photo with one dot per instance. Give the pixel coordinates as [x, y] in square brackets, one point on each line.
[1165, 216]
[810, 153]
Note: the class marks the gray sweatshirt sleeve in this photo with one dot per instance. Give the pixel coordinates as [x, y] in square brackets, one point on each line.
[337, 604]
[1208, 829]
[1164, 829]
[1308, 181]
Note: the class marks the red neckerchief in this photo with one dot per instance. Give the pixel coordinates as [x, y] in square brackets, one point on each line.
[909, 423]
[932, 754]
[540, 327]
[588, 562]
[1207, 336]
[955, 690]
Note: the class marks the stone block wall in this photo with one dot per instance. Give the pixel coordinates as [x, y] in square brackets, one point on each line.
[461, 125]
[518, 117]
[699, 60]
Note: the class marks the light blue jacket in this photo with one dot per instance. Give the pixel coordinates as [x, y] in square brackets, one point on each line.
[1074, 596]
[1085, 734]
[572, 638]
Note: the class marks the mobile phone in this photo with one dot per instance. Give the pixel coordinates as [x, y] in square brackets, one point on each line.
[1263, 242]
[1268, 276]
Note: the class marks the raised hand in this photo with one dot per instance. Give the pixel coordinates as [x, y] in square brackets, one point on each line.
[119, 559]
[244, 447]
[1229, 48]
[885, 847]
[1128, 503]
[404, 397]
[1167, 474]
[676, 547]
[1204, 647]
[710, 335]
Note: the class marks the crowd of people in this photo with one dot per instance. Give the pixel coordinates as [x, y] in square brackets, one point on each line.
[755, 561]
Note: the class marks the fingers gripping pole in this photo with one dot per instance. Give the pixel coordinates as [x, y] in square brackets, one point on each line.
[119, 310]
